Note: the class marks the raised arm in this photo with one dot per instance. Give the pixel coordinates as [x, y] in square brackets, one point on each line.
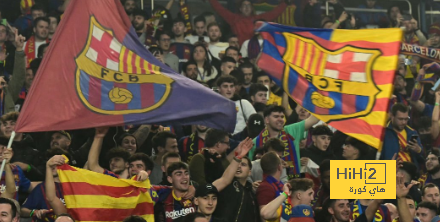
[9, 176]
[310, 122]
[270, 210]
[272, 15]
[141, 134]
[51, 197]
[401, 192]
[19, 72]
[228, 16]
[370, 212]
[93, 160]
[435, 129]
[227, 177]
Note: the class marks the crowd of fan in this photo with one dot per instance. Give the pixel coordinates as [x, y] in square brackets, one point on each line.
[275, 166]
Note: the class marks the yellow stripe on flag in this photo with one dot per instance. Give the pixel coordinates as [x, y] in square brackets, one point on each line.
[129, 58]
[315, 61]
[308, 55]
[388, 35]
[368, 139]
[385, 63]
[374, 118]
[300, 53]
[138, 64]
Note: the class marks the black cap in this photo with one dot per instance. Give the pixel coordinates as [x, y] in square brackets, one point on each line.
[255, 124]
[203, 191]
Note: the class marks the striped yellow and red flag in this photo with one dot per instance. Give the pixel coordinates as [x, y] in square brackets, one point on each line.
[343, 77]
[91, 196]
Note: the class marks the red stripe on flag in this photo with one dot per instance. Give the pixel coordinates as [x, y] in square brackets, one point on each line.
[147, 94]
[143, 71]
[299, 92]
[125, 60]
[348, 103]
[319, 110]
[101, 214]
[381, 105]
[281, 49]
[121, 106]
[150, 68]
[359, 126]
[318, 63]
[133, 62]
[383, 77]
[273, 66]
[66, 167]
[312, 56]
[95, 92]
[83, 188]
[305, 54]
[295, 55]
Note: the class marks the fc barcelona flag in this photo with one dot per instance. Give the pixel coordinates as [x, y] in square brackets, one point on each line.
[97, 73]
[343, 77]
[92, 196]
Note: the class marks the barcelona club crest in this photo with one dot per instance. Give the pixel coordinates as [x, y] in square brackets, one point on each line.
[112, 79]
[334, 84]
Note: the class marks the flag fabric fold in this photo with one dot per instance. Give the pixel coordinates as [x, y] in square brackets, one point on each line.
[343, 77]
[97, 73]
[91, 196]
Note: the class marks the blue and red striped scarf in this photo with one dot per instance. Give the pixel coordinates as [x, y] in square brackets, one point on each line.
[290, 155]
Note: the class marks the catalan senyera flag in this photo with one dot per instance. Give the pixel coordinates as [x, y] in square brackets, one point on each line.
[343, 77]
[91, 196]
[97, 73]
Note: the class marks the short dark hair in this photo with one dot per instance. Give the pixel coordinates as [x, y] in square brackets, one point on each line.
[163, 32]
[274, 109]
[226, 59]
[35, 64]
[121, 138]
[226, 79]
[179, 19]
[199, 18]
[249, 161]
[232, 48]
[40, 52]
[176, 166]
[149, 164]
[322, 130]
[38, 7]
[275, 144]
[169, 155]
[134, 218]
[247, 64]
[238, 74]
[54, 15]
[186, 64]
[160, 139]
[213, 136]
[300, 184]
[411, 169]
[428, 205]
[399, 107]
[11, 116]
[213, 24]
[259, 107]
[270, 163]
[140, 12]
[257, 87]
[37, 20]
[428, 185]
[12, 204]
[261, 74]
[193, 216]
[118, 152]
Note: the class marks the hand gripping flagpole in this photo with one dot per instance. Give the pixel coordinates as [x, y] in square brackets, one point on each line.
[9, 146]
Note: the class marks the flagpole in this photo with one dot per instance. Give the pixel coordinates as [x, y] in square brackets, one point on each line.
[152, 6]
[142, 4]
[9, 146]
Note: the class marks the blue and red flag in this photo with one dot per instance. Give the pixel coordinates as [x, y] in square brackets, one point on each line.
[97, 73]
[343, 77]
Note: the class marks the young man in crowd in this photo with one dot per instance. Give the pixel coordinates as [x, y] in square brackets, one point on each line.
[426, 211]
[272, 145]
[248, 70]
[164, 43]
[189, 69]
[167, 160]
[41, 34]
[433, 169]
[163, 142]
[199, 31]
[258, 93]
[431, 193]
[318, 151]
[227, 65]
[192, 144]
[215, 46]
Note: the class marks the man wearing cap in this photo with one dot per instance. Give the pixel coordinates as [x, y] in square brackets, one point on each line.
[192, 144]
[62, 140]
[206, 201]
[254, 125]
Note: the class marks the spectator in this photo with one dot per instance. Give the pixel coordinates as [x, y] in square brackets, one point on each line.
[41, 34]
[258, 93]
[426, 211]
[226, 86]
[371, 19]
[354, 149]
[206, 72]
[431, 193]
[167, 160]
[164, 41]
[192, 144]
[163, 142]
[248, 70]
[233, 42]
[199, 34]
[242, 24]
[190, 70]
[272, 145]
[53, 24]
[233, 52]
[228, 64]
[216, 48]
